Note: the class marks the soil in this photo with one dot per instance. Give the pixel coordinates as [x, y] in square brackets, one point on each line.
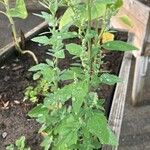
[146, 2]
[14, 78]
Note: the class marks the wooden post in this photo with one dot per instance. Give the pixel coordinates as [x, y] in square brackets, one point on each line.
[140, 16]
[118, 104]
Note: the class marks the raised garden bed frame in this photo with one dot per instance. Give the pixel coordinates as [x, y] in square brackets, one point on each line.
[117, 108]
[140, 16]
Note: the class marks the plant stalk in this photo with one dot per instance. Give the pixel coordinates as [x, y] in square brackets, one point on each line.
[14, 32]
[89, 40]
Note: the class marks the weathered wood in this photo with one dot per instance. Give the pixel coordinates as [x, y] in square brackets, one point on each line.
[141, 65]
[140, 16]
[117, 109]
[28, 35]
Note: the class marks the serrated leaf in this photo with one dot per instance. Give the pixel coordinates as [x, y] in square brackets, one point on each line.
[74, 49]
[41, 40]
[126, 20]
[19, 11]
[109, 79]
[59, 54]
[97, 125]
[118, 46]
[48, 18]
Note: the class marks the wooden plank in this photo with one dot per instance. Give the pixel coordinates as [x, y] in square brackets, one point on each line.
[141, 65]
[137, 9]
[117, 109]
[141, 22]
[28, 35]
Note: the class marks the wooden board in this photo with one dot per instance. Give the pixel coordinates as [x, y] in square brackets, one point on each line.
[28, 35]
[117, 109]
[140, 16]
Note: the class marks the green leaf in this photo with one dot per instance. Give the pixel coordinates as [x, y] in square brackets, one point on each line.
[20, 143]
[59, 54]
[38, 111]
[126, 20]
[41, 40]
[74, 49]
[79, 93]
[48, 18]
[46, 143]
[118, 4]
[10, 147]
[61, 95]
[67, 131]
[98, 10]
[38, 67]
[67, 18]
[37, 75]
[97, 125]
[105, 1]
[45, 70]
[68, 35]
[50, 62]
[109, 79]
[72, 73]
[118, 46]
[19, 11]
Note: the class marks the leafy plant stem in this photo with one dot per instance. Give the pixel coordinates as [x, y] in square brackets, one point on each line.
[56, 72]
[103, 26]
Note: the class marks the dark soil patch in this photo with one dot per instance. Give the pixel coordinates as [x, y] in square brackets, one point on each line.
[146, 2]
[14, 78]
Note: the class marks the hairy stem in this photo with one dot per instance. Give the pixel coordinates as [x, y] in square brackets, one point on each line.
[89, 40]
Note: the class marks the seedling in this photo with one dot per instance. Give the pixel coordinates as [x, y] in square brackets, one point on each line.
[72, 116]
[19, 145]
[18, 11]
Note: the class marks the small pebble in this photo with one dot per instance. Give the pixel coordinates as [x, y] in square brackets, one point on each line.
[6, 78]
[3, 67]
[4, 135]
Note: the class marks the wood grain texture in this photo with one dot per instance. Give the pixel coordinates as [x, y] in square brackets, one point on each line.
[140, 16]
[28, 35]
[117, 109]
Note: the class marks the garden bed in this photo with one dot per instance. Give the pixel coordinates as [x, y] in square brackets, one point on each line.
[15, 77]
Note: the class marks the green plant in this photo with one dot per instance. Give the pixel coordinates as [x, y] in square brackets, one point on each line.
[19, 145]
[18, 11]
[72, 116]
